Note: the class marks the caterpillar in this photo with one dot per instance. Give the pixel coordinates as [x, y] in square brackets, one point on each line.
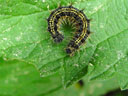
[76, 17]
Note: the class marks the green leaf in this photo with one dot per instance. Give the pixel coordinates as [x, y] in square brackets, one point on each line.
[21, 79]
[93, 88]
[121, 73]
[24, 37]
[113, 48]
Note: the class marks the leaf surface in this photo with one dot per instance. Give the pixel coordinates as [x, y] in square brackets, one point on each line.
[24, 37]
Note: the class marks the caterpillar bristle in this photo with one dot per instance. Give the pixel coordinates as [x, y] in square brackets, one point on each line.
[71, 3]
[91, 32]
[82, 10]
[78, 22]
[89, 20]
[46, 19]
[59, 5]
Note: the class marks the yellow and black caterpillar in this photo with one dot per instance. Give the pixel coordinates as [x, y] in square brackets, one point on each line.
[81, 23]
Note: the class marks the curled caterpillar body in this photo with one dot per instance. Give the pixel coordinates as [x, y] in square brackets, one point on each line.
[77, 18]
